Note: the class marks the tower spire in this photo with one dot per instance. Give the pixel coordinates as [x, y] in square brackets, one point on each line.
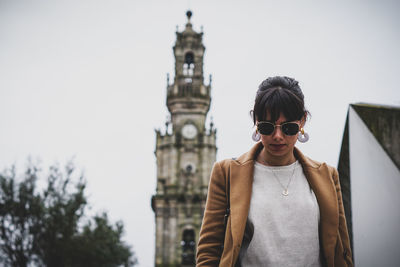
[189, 23]
[189, 15]
[188, 82]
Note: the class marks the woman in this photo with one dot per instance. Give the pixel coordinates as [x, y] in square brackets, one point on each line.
[280, 207]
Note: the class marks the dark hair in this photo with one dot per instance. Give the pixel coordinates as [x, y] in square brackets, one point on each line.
[276, 95]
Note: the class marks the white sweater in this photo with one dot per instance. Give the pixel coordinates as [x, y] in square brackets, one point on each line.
[285, 227]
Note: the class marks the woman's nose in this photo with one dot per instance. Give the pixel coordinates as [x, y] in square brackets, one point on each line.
[277, 134]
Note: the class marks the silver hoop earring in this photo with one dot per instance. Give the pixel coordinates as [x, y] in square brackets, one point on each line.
[303, 136]
[256, 136]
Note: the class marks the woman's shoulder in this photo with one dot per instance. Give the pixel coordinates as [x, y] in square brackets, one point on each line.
[318, 165]
[225, 163]
[309, 162]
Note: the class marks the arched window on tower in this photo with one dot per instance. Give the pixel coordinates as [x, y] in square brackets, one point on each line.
[188, 65]
[188, 247]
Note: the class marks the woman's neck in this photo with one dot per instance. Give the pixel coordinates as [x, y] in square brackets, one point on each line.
[268, 160]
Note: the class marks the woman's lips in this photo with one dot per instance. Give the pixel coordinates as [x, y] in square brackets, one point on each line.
[277, 146]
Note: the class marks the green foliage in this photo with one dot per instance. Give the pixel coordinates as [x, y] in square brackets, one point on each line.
[42, 228]
[100, 245]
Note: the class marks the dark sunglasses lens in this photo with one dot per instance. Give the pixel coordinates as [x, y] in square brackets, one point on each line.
[265, 128]
[290, 128]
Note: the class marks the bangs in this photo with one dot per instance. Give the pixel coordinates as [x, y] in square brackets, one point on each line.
[278, 101]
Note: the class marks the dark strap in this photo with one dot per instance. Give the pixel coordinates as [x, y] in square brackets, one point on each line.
[228, 209]
[228, 202]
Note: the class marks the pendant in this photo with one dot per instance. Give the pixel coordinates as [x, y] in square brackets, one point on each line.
[285, 192]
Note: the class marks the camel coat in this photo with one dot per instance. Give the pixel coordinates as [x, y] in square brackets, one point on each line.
[215, 250]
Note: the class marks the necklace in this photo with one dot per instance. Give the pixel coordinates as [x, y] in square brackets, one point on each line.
[285, 191]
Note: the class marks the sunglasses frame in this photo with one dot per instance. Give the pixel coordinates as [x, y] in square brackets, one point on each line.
[278, 125]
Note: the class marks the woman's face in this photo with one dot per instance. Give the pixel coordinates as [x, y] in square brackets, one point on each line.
[278, 147]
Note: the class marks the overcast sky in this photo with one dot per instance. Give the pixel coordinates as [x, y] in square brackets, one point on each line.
[87, 79]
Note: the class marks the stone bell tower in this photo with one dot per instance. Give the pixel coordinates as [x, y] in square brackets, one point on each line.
[185, 155]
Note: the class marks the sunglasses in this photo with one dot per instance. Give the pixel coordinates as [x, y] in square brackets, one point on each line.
[267, 128]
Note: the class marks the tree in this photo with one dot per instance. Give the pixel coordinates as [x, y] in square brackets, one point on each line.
[91, 252]
[42, 228]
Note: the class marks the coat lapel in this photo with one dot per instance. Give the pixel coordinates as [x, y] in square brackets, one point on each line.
[319, 178]
[240, 192]
[241, 185]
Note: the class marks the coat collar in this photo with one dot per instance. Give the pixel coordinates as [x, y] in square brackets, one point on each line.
[252, 154]
[319, 178]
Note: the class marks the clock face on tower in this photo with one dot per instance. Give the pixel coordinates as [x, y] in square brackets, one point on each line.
[189, 131]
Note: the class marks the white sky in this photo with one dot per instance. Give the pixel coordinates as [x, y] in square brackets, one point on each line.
[87, 79]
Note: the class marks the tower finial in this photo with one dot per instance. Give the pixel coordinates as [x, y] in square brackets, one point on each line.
[189, 14]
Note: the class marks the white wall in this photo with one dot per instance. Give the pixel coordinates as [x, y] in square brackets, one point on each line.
[375, 193]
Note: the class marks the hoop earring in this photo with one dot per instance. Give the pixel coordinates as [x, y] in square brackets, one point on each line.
[303, 136]
[256, 136]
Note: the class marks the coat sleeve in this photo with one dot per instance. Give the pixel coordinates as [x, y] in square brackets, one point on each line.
[343, 232]
[211, 238]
